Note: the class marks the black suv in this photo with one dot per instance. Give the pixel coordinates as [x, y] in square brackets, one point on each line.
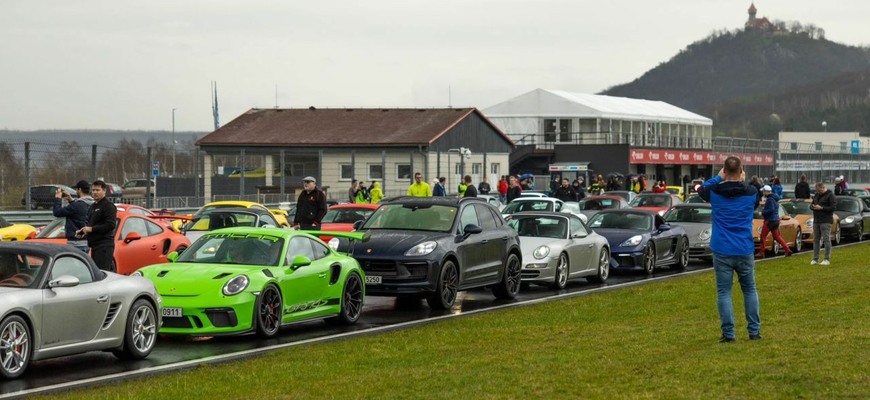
[436, 246]
[43, 195]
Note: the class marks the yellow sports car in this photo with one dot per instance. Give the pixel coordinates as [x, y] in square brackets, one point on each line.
[11, 232]
[789, 228]
[280, 215]
[800, 210]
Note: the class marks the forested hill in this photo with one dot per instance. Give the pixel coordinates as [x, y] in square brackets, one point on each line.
[106, 137]
[729, 65]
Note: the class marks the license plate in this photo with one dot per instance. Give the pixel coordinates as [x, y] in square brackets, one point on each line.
[172, 311]
[373, 280]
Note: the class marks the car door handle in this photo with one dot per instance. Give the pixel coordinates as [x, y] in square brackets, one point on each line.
[323, 275]
[102, 299]
[484, 241]
[505, 238]
[590, 245]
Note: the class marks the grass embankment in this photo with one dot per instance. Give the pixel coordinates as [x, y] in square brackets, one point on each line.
[650, 341]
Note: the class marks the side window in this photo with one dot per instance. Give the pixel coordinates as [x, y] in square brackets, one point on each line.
[153, 229]
[133, 224]
[468, 216]
[267, 219]
[299, 246]
[499, 219]
[558, 206]
[71, 266]
[577, 227]
[320, 251]
[487, 222]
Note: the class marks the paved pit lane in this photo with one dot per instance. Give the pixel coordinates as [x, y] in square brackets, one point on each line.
[380, 314]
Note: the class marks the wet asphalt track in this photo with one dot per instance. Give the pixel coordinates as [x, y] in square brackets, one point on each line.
[379, 314]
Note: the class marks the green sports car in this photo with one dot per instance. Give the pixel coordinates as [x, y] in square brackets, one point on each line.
[240, 280]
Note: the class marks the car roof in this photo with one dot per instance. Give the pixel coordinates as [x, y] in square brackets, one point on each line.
[249, 211]
[354, 206]
[543, 213]
[247, 204]
[693, 205]
[627, 211]
[436, 200]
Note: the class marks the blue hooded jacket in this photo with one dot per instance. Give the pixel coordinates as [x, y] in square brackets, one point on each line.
[76, 214]
[770, 212]
[733, 204]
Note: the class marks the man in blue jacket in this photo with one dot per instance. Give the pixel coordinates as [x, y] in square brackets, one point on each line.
[76, 212]
[733, 202]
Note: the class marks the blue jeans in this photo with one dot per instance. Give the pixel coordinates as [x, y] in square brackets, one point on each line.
[744, 266]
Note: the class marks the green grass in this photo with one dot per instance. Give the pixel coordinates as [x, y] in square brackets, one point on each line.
[649, 341]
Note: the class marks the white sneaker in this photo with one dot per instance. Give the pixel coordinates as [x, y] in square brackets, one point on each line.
[814, 262]
[826, 262]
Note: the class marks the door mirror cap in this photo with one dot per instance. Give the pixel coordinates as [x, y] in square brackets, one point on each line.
[664, 227]
[64, 281]
[300, 261]
[131, 237]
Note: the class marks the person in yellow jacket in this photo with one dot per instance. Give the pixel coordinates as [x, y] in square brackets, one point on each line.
[376, 193]
[419, 188]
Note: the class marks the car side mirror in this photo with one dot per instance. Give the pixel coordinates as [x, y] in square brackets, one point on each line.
[664, 227]
[472, 229]
[131, 237]
[172, 256]
[63, 281]
[299, 262]
[578, 236]
[358, 224]
[785, 217]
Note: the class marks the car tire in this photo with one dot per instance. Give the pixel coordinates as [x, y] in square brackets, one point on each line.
[14, 328]
[510, 281]
[860, 236]
[140, 331]
[562, 271]
[682, 257]
[798, 244]
[837, 237]
[446, 288]
[268, 312]
[649, 258]
[603, 267]
[352, 299]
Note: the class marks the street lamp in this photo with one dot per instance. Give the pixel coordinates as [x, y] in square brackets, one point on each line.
[825, 125]
[173, 142]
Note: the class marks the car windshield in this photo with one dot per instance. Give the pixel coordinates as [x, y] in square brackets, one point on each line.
[214, 207]
[346, 215]
[797, 207]
[651, 201]
[20, 270]
[528, 205]
[849, 205]
[229, 248]
[540, 226]
[690, 214]
[218, 220]
[598, 204]
[54, 229]
[418, 217]
[621, 221]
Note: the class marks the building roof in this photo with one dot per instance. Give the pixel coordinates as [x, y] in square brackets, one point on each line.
[557, 103]
[340, 127]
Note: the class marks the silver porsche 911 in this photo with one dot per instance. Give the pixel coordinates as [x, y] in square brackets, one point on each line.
[558, 247]
[55, 302]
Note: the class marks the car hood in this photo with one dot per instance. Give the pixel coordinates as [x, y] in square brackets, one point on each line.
[394, 242]
[191, 279]
[693, 229]
[844, 214]
[617, 236]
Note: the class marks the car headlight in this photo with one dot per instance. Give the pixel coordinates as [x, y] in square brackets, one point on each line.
[541, 252]
[850, 219]
[236, 285]
[810, 223]
[632, 241]
[758, 230]
[136, 273]
[334, 243]
[705, 234]
[422, 249]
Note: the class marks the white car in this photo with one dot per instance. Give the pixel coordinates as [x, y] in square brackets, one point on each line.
[493, 200]
[543, 204]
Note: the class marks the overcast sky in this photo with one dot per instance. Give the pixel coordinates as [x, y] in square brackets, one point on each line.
[119, 64]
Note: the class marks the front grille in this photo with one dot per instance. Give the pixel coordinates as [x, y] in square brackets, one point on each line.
[396, 270]
[222, 317]
[529, 274]
[176, 322]
[625, 261]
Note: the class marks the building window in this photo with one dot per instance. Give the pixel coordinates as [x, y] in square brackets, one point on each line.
[376, 172]
[494, 169]
[476, 168]
[844, 147]
[457, 169]
[403, 172]
[549, 130]
[794, 145]
[345, 171]
[565, 130]
[295, 169]
[818, 146]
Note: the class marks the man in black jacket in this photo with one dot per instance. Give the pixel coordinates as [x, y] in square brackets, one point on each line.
[470, 190]
[100, 230]
[565, 192]
[824, 205]
[514, 190]
[310, 206]
[802, 188]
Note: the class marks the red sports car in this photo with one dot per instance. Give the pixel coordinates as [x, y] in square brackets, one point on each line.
[657, 202]
[140, 240]
[340, 217]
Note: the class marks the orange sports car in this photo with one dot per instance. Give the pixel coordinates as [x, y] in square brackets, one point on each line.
[789, 228]
[340, 217]
[140, 240]
[800, 210]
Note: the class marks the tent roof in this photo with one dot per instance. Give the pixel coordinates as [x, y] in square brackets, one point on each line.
[558, 103]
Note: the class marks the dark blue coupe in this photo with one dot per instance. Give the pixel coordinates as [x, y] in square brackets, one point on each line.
[641, 240]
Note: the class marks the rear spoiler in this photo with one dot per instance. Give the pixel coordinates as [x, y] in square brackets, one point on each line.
[352, 236]
[181, 217]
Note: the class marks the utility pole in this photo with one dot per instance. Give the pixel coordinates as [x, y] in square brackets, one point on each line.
[173, 142]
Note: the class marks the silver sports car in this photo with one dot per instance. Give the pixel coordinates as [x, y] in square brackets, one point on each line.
[557, 247]
[697, 220]
[55, 302]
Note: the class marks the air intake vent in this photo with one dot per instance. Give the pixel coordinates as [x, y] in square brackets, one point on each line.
[223, 275]
[110, 316]
[162, 273]
[268, 273]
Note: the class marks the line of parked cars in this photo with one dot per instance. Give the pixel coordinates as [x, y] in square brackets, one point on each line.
[245, 272]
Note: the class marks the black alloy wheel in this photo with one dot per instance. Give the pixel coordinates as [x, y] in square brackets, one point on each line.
[446, 289]
[649, 258]
[352, 299]
[269, 312]
[510, 282]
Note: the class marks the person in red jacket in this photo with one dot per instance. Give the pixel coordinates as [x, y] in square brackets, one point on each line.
[502, 189]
